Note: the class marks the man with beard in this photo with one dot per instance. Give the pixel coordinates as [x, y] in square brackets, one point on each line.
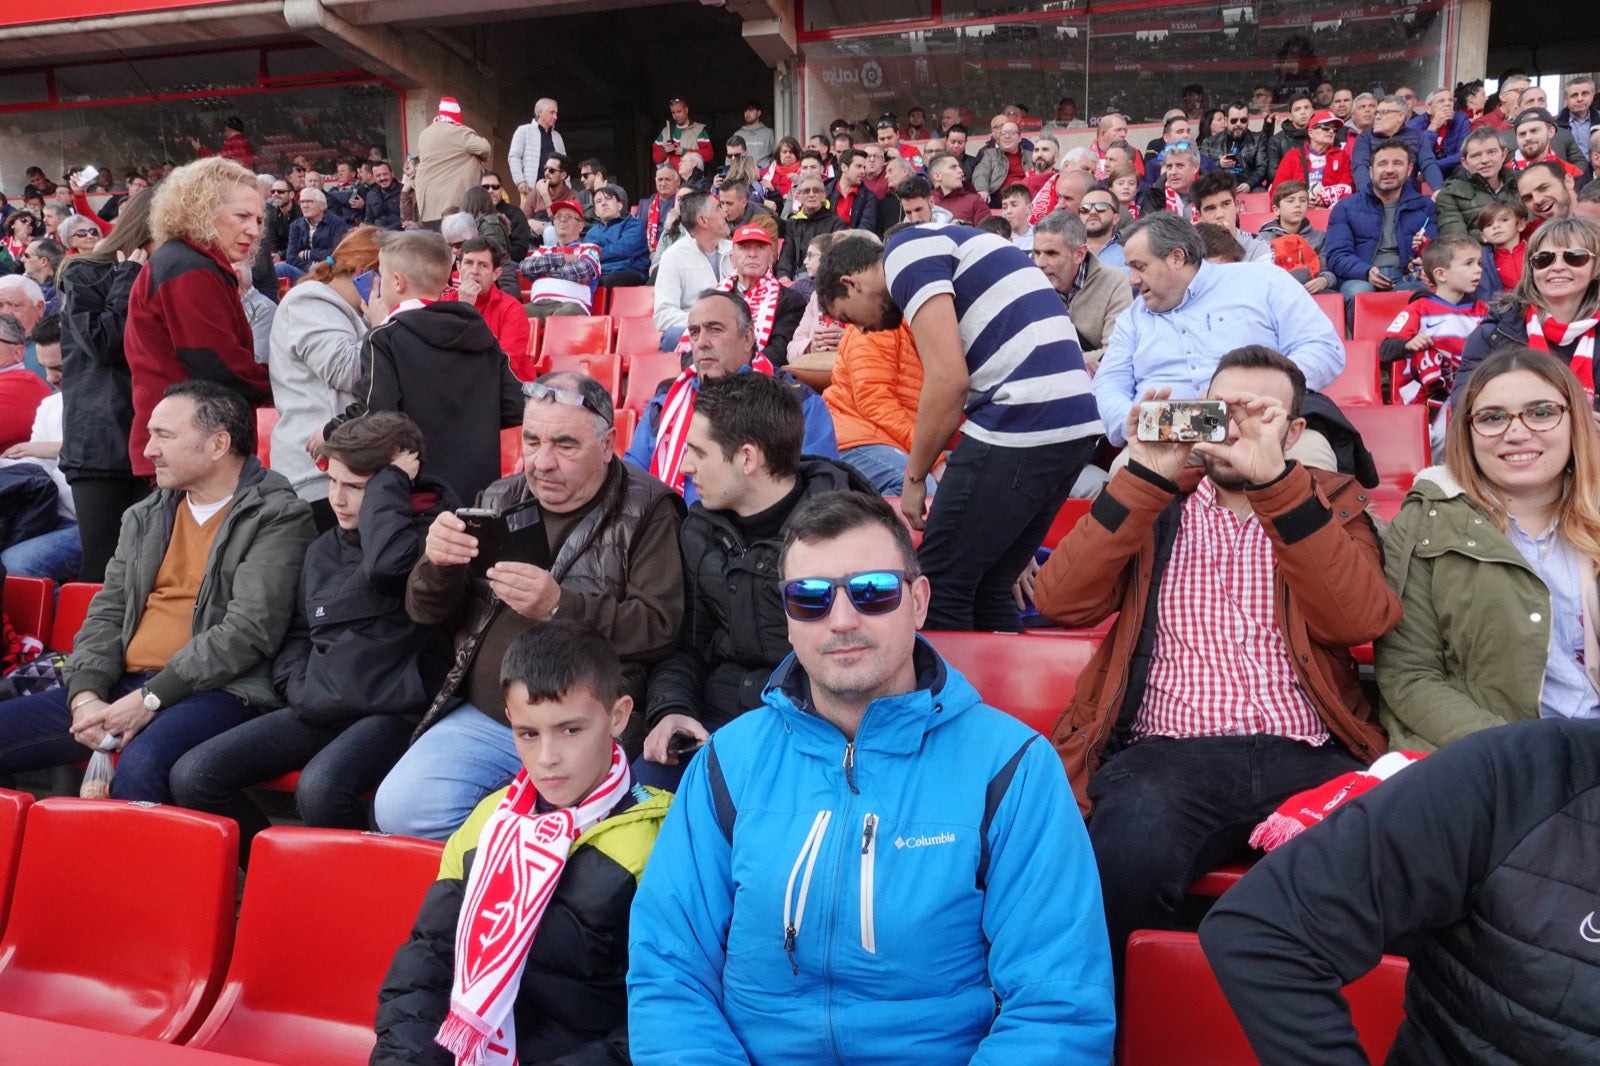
[1243, 590]
[1100, 215]
[1001, 363]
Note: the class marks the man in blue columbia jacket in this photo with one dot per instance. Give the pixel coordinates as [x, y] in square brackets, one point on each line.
[874, 867]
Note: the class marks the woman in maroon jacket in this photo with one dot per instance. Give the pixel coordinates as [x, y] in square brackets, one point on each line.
[185, 317]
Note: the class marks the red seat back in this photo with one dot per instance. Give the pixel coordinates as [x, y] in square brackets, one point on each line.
[1174, 1010]
[645, 376]
[627, 423]
[29, 603]
[13, 813]
[604, 367]
[1255, 202]
[1397, 437]
[1332, 305]
[1031, 680]
[1318, 217]
[1252, 221]
[576, 335]
[637, 336]
[633, 301]
[1357, 385]
[323, 912]
[1070, 514]
[266, 422]
[72, 604]
[510, 450]
[122, 918]
[1374, 311]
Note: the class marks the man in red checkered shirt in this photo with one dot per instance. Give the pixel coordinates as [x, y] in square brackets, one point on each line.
[1226, 683]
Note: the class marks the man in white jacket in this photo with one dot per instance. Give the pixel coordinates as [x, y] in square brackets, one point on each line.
[533, 143]
[697, 261]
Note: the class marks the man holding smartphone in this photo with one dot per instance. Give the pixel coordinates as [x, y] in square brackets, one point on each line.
[1244, 578]
[612, 533]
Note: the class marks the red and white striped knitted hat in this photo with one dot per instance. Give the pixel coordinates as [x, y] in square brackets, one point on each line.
[449, 111]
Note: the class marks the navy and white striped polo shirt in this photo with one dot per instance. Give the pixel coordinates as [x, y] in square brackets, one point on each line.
[1027, 384]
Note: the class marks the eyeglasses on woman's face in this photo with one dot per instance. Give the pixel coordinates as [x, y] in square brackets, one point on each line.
[1539, 417]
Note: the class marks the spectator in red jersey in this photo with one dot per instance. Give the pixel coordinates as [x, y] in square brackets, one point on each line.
[952, 192]
[1423, 344]
[235, 145]
[1504, 246]
[1175, 769]
[853, 202]
[1319, 162]
[185, 316]
[480, 264]
[21, 391]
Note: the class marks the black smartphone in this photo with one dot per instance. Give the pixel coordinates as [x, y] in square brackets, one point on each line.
[516, 535]
[683, 745]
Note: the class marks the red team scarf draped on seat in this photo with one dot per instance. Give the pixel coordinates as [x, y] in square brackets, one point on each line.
[1306, 809]
[1542, 334]
[521, 854]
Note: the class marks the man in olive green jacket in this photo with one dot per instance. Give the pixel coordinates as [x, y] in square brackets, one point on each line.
[1481, 179]
[177, 646]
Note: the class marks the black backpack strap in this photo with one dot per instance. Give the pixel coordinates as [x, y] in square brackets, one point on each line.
[996, 791]
[721, 798]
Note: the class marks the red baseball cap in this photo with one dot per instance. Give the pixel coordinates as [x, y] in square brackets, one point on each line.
[566, 205]
[756, 234]
[1322, 118]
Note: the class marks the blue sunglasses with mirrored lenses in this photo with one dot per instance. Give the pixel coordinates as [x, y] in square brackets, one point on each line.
[810, 599]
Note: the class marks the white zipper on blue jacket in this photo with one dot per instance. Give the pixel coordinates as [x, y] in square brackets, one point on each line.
[869, 853]
[794, 908]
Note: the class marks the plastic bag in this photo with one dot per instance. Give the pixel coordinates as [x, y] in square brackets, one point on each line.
[97, 778]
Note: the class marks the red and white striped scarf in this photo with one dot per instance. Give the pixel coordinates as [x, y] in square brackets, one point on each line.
[521, 854]
[1175, 205]
[1305, 809]
[762, 298]
[1542, 334]
[677, 411]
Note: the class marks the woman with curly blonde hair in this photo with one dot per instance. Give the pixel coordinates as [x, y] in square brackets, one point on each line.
[206, 219]
[316, 360]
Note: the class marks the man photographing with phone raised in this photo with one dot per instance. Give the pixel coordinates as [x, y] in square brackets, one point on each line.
[1245, 577]
[612, 534]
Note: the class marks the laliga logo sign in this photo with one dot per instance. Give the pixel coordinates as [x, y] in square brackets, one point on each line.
[871, 74]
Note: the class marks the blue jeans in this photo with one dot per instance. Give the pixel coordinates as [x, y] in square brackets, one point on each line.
[884, 465]
[284, 270]
[338, 764]
[991, 514]
[671, 337]
[35, 735]
[1168, 810]
[460, 759]
[55, 555]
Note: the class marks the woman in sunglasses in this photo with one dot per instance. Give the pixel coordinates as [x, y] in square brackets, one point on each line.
[1494, 557]
[1554, 307]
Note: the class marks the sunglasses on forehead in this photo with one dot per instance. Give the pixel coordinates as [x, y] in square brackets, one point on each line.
[535, 390]
[871, 592]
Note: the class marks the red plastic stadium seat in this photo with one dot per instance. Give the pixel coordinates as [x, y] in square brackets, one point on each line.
[510, 450]
[1219, 880]
[576, 335]
[72, 603]
[627, 422]
[604, 367]
[1031, 680]
[1252, 221]
[636, 336]
[1069, 515]
[601, 302]
[645, 376]
[633, 301]
[1255, 202]
[13, 814]
[1357, 385]
[1332, 305]
[1174, 1010]
[122, 917]
[29, 603]
[1397, 437]
[1374, 312]
[1318, 217]
[303, 983]
[533, 337]
[266, 421]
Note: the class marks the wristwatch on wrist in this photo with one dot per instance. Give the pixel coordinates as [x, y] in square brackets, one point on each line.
[152, 702]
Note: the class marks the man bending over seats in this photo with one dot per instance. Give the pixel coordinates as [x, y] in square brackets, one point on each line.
[178, 645]
[1244, 582]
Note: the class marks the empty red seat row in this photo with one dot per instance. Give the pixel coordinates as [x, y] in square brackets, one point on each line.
[159, 956]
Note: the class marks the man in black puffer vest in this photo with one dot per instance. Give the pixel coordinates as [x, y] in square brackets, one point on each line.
[1480, 862]
[743, 451]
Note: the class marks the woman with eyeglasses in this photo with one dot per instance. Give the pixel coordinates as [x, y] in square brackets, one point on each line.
[1494, 557]
[96, 384]
[1554, 308]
